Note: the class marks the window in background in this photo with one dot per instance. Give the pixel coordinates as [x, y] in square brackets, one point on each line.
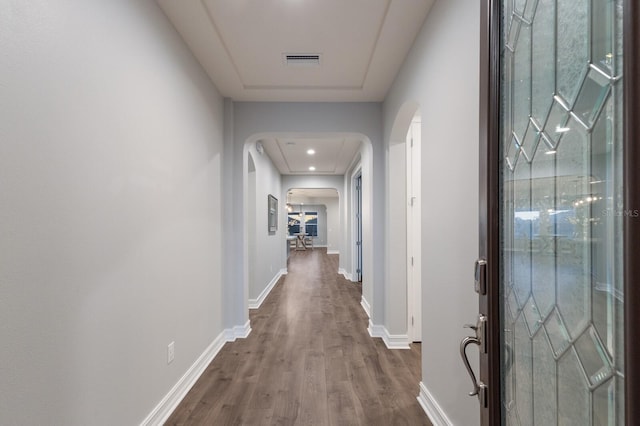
[294, 223]
[311, 223]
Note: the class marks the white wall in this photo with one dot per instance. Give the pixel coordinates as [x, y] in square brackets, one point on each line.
[396, 300]
[110, 237]
[334, 226]
[332, 206]
[441, 75]
[269, 255]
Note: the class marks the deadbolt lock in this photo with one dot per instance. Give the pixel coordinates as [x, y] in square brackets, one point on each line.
[480, 275]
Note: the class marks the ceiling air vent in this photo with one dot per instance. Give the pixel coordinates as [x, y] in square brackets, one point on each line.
[301, 59]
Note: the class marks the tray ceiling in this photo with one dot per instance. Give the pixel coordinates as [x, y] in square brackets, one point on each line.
[316, 156]
[243, 44]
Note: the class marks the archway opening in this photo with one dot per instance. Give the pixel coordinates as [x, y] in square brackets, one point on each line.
[313, 219]
[274, 263]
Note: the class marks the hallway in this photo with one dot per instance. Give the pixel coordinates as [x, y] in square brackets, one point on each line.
[308, 360]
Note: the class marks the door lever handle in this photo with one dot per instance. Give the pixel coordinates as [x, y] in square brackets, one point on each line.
[463, 353]
[481, 329]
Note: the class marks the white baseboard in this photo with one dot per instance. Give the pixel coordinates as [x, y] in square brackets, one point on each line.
[375, 330]
[238, 332]
[391, 341]
[170, 402]
[395, 341]
[365, 305]
[333, 251]
[255, 303]
[431, 407]
[344, 273]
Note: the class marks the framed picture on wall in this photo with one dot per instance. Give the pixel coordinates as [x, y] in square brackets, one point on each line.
[272, 211]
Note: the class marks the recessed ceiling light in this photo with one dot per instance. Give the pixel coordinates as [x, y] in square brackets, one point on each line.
[311, 151]
[312, 168]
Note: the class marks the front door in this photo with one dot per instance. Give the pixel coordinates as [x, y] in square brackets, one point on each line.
[559, 213]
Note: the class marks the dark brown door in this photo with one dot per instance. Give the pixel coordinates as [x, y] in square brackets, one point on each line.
[559, 271]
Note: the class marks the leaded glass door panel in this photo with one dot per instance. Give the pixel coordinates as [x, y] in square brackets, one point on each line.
[561, 212]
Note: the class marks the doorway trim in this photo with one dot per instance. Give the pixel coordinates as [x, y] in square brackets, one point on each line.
[357, 230]
[403, 294]
[413, 148]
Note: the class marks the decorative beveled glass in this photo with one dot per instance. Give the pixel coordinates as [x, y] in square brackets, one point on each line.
[561, 219]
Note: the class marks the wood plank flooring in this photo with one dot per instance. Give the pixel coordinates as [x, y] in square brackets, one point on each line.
[308, 361]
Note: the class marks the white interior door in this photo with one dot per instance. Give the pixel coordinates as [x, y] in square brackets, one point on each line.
[414, 234]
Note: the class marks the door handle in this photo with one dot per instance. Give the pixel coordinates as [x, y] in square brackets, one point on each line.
[463, 353]
[481, 332]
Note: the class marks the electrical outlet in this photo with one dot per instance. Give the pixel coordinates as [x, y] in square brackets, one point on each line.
[171, 352]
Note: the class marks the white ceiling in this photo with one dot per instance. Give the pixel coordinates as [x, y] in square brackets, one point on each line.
[240, 44]
[332, 155]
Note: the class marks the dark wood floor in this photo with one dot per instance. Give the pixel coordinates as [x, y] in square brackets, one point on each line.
[308, 361]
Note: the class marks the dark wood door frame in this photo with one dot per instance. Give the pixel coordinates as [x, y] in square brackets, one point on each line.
[489, 247]
[632, 204]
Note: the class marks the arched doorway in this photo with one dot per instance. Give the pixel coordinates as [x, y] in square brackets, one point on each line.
[314, 213]
[343, 246]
